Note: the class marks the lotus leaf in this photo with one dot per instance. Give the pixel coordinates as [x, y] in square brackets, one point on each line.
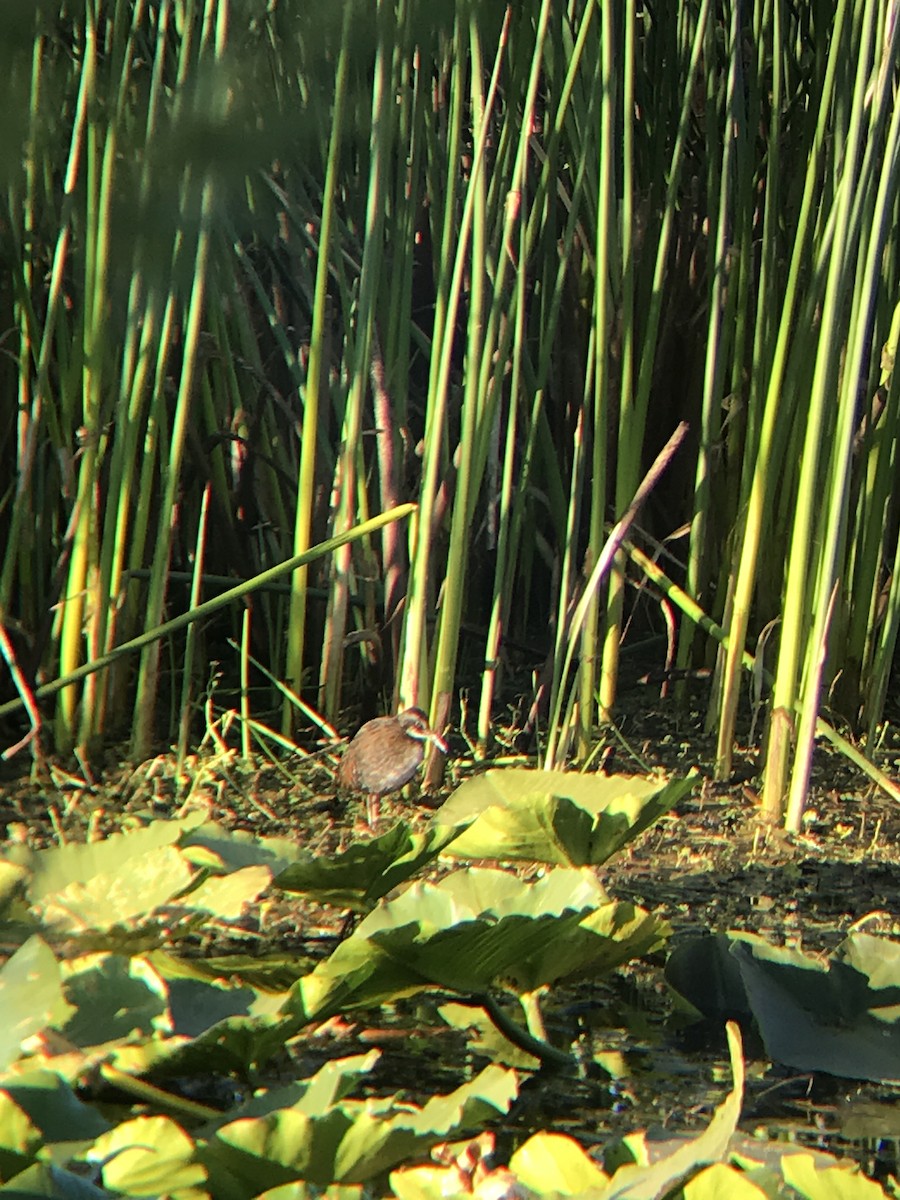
[552, 1162]
[367, 870]
[558, 817]
[114, 997]
[473, 930]
[838, 1015]
[147, 1156]
[52, 870]
[31, 997]
[54, 1109]
[350, 1142]
[222, 851]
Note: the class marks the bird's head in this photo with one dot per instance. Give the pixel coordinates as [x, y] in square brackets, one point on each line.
[415, 725]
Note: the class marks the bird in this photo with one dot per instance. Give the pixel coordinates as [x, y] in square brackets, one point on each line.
[384, 754]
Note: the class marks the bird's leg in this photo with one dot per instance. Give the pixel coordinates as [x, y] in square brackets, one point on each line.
[373, 810]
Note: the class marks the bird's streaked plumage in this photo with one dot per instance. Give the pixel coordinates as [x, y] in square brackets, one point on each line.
[385, 754]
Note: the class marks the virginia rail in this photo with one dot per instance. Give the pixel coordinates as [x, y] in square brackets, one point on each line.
[384, 755]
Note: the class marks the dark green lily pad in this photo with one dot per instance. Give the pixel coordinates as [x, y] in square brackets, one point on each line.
[838, 1015]
[366, 870]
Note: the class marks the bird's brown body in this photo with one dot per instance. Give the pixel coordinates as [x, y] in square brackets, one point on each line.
[385, 754]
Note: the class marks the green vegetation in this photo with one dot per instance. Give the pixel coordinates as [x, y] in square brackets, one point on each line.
[134, 1061]
[393, 352]
[268, 271]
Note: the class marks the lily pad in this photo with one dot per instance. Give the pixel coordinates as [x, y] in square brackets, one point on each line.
[366, 870]
[31, 997]
[558, 817]
[347, 1142]
[53, 1107]
[54, 869]
[556, 1163]
[472, 931]
[839, 1015]
[222, 851]
[42, 1180]
[147, 1156]
[115, 997]
[128, 891]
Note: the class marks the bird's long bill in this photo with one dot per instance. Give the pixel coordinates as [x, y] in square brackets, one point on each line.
[438, 741]
[429, 735]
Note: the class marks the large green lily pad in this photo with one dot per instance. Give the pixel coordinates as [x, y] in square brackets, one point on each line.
[558, 817]
[475, 930]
